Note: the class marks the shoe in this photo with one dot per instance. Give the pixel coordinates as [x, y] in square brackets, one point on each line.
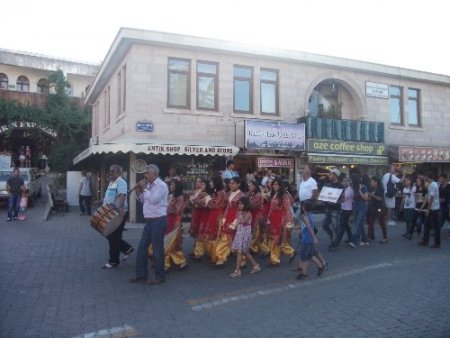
[384, 241]
[9, 219]
[291, 259]
[422, 243]
[137, 280]
[156, 281]
[391, 222]
[435, 246]
[15, 218]
[362, 243]
[110, 265]
[236, 274]
[127, 254]
[321, 270]
[301, 276]
[352, 245]
[182, 267]
[256, 269]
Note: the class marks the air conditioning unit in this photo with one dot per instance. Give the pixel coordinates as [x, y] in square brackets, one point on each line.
[93, 141]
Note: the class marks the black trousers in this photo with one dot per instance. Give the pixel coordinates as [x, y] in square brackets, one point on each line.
[432, 223]
[116, 243]
[345, 227]
[85, 204]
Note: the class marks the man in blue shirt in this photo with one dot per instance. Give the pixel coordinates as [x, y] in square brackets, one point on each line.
[230, 172]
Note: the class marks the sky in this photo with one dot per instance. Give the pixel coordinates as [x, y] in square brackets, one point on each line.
[403, 33]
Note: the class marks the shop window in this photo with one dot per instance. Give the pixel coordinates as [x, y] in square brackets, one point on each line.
[3, 81]
[243, 89]
[269, 91]
[413, 107]
[207, 85]
[43, 86]
[23, 84]
[179, 79]
[395, 93]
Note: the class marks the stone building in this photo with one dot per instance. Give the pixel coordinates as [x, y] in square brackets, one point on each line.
[190, 103]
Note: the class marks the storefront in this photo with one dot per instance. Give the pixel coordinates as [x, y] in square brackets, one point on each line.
[417, 159]
[348, 156]
[271, 145]
[190, 160]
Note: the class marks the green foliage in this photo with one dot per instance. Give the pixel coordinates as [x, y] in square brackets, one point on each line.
[60, 113]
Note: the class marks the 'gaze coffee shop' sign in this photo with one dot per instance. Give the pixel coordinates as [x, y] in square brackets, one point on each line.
[343, 152]
[274, 135]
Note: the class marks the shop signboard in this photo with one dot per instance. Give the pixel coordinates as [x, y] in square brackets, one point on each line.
[5, 161]
[347, 159]
[423, 154]
[347, 147]
[274, 135]
[275, 162]
[144, 126]
[379, 90]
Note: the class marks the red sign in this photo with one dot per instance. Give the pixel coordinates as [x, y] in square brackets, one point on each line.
[275, 162]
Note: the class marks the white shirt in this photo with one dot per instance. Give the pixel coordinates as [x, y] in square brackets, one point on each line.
[410, 201]
[85, 184]
[433, 191]
[394, 180]
[305, 189]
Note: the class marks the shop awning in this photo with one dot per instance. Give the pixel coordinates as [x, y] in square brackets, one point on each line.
[155, 146]
[347, 159]
[416, 154]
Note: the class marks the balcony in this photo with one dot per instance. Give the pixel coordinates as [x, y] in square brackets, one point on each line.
[346, 130]
[32, 99]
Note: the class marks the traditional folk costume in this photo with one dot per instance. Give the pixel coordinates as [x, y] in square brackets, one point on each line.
[280, 215]
[259, 238]
[199, 214]
[226, 233]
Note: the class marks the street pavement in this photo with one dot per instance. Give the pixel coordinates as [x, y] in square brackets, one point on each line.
[51, 285]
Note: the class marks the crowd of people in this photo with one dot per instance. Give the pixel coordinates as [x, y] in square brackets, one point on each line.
[258, 217]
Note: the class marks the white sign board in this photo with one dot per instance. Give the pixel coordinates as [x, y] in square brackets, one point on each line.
[5, 161]
[328, 194]
[379, 90]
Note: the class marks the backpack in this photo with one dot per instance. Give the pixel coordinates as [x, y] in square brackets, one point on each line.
[390, 188]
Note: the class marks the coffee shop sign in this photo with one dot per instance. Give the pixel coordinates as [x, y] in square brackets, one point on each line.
[27, 125]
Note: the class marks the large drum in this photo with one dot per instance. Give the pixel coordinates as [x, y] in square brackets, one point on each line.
[106, 219]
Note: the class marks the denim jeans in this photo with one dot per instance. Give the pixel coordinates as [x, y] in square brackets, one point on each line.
[85, 204]
[344, 227]
[432, 222]
[360, 210]
[13, 205]
[331, 223]
[153, 234]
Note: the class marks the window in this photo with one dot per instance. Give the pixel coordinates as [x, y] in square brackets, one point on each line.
[23, 84]
[207, 85]
[243, 89]
[3, 81]
[413, 107]
[395, 93]
[269, 91]
[43, 86]
[107, 113]
[179, 83]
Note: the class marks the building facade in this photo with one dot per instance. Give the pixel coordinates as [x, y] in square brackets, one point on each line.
[167, 97]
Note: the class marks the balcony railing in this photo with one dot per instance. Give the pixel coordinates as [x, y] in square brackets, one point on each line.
[347, 130]
[33, 99]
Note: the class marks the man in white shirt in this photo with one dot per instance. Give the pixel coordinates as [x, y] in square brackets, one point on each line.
[432, 221]
[308, 186]
[390, 201]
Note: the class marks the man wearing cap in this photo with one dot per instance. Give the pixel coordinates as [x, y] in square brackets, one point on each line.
[333, 210]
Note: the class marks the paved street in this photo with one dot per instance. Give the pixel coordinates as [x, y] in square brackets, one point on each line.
[51, 285]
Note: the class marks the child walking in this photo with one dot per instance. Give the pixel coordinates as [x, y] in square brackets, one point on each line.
[243, 238]
[308, 247]
[23, 206]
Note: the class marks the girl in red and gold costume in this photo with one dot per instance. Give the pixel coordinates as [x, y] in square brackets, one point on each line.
[173, 235]
[201, 243]
[199, 211]
[226, 233]
[279, 222]
[256, 208]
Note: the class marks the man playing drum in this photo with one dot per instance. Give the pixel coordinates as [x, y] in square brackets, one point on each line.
[116, 194]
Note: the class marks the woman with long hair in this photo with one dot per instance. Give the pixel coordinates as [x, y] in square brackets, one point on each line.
[377, 210]
[175, 209]
[227, 232]
[279, 220]
[201, 202]
[419, 215]
[256, 208]
[216, 206]
[195, 214]
[360, 198]
[408, 205]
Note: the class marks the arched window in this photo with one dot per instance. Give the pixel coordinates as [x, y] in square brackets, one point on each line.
[69, 89]
[3, 81]
[43, 86]
[23, 84]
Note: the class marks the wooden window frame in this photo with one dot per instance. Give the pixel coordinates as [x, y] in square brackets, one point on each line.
[188, 89]
[276, 82]
[250, 80]
[418, 104]
[400, 98]
[216, 84]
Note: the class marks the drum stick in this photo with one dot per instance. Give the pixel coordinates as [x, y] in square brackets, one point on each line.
[138, 184]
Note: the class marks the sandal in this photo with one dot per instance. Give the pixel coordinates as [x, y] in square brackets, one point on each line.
[236, 274]
[256, 269]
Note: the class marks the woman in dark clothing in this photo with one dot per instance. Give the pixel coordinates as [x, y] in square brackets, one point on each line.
[377, 210]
